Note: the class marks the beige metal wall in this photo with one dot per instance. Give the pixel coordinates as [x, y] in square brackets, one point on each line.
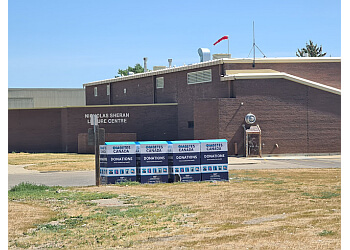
[45, 97]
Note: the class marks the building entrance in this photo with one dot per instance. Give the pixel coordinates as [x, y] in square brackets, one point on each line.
[253, 141]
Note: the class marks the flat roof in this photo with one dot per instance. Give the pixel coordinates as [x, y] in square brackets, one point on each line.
[217, 62]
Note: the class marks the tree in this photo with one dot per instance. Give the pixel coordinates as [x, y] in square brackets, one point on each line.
[311, 50]
[137, 69]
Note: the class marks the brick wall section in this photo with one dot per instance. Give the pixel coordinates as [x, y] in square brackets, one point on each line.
[325, 73]
[189, 93]
[101, 99]
[135, 91]
[324, 118]
[168, 94]
[153, 122]
[85, 148]
[57, 130]
[176, 90]
[138, 91]
[34, 130]
[206, 119]
[298, 118]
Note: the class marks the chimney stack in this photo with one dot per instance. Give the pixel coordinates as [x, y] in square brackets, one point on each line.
[145, 64]
[170, 61]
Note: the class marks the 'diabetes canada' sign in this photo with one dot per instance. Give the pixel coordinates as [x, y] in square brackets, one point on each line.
[108, 118]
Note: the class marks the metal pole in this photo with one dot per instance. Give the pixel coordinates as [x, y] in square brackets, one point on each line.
[228, 45]
[97, 154]
[253, 46]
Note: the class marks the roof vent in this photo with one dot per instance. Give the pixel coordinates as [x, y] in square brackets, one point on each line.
[170, 61]
[204, 54]
[145, 64]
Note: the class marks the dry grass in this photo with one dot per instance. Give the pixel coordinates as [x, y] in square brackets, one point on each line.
[257, 209]
[22, 216]
[53, 161]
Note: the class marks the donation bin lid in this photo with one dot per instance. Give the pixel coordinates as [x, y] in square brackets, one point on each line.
[120, 143]
[152, 142]
[184, 142]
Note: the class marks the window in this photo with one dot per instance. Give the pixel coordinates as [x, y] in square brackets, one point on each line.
[199, 76]
[190, 124]
[95, 91]
[160, 82]
[108, 89]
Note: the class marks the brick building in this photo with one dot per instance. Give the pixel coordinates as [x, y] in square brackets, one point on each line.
[296, 102]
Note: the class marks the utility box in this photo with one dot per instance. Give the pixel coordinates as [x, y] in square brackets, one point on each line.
[152, 162]
[252, 137]
[184, 161]
[117, 162]
[214, 161]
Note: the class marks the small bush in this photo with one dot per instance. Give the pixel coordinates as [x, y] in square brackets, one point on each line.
[26, 186]
[31, 191]
[326, 232]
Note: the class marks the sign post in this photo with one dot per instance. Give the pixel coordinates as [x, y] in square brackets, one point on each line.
[94, 122]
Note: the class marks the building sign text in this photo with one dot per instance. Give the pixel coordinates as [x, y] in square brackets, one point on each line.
[109, 118]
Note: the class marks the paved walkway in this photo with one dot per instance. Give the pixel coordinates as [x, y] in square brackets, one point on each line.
[18, 174]
[292, 161]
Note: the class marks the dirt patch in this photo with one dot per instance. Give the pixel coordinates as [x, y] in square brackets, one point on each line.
[265, 219]
[110, 203]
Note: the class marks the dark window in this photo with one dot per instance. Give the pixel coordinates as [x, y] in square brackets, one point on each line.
[190, 124]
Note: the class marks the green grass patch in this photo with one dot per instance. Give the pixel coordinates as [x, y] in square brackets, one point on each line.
[322, 195]
[30, 191]
[29, 187]
[50, 227]
[133, 212]
[326, 233]
[127, 183]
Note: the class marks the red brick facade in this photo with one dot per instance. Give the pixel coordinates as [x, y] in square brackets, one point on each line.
[57, 130]
[325, 73]
[297, 117]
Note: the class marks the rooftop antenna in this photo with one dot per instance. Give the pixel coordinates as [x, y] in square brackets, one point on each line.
[253, 48]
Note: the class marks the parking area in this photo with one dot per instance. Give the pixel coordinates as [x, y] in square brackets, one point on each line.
[328, 161]
[18, 174]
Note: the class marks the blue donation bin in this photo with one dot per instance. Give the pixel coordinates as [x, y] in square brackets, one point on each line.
[117, 162]
[152, 162]
[214, 161]
[184, 161]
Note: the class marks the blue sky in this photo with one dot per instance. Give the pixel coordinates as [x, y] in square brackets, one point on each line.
[66, 43]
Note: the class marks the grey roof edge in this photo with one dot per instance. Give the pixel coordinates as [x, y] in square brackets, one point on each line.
[282, 75]
[45, 89]
[283, 60]
[157, 72]
[104, 106]
[216, 62]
